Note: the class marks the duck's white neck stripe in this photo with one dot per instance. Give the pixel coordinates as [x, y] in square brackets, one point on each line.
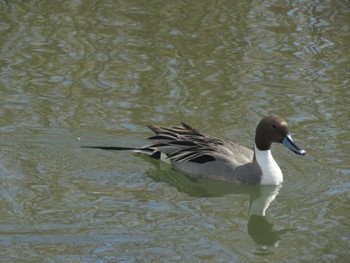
[271, 172]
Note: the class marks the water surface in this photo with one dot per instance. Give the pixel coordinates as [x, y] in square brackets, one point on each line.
[96, 72]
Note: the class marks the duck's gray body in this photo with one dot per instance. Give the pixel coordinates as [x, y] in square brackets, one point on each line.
[201, 155]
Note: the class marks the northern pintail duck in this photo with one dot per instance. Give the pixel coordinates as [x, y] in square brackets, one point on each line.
[201, 155]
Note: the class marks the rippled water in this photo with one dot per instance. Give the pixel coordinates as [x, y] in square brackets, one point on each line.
[96, 72]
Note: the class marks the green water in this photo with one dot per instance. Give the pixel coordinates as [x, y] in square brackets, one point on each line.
[97, 72]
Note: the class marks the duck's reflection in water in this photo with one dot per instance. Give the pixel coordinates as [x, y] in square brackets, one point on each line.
[259, 228]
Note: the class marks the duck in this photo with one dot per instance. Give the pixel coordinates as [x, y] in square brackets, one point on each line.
[200, 155]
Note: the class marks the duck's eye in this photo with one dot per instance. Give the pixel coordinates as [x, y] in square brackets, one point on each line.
[274, 126]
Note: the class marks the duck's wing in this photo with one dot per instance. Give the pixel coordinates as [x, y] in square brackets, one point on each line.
[186, 144]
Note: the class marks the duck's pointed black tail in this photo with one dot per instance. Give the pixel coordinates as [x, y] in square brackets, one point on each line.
[147, 150]
[112, 148]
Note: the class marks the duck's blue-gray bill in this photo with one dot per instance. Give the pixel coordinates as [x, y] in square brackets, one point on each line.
[288, 142]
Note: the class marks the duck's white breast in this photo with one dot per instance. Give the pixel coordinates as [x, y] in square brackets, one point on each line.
[271, 172]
